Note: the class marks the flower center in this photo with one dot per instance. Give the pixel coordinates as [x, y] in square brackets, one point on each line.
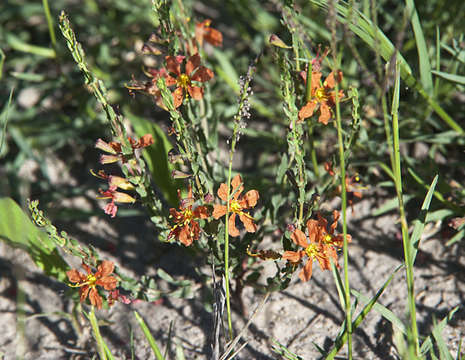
[188, 216]
[91, 280]
[183, 81]
[321, 95]
[327, 238]
[312, 250]
[235, 207]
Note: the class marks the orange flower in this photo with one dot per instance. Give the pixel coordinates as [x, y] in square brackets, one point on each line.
[323, 235]
[314, 249]
[183, 80]
[237, 206]
[322, 245]
[88, 283]
[203, 31]
[321, 95]
[186, 228]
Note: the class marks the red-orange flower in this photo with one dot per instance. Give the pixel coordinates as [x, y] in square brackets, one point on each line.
[321, 95]
[326, 236]
[203, 31]
[184, 80]
[186, 228]
[88, 283]
[314, 249]
[237, 205]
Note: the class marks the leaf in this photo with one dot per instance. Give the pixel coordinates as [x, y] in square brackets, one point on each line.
[18, 231]
[149, 337]
[156, 156]
[374, 38]
[421, 219]
[459, 79]
[425, 65]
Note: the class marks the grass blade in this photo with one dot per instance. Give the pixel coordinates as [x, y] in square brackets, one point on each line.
[363, 28]
[423, 58]
[421, 220]
[149, 337]
[371, 303]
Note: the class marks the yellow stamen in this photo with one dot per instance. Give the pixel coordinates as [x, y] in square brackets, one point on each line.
[320, 94]
[184, 81]
[312, 250]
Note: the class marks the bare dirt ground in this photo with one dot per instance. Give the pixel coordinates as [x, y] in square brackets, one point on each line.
[299, 317]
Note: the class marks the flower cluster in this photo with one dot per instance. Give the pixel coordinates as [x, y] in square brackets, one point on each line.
[184, 74]
[321, 95]
[237, 205]
[186, 228]
[319, 244]
[114, 154]
[88, 283]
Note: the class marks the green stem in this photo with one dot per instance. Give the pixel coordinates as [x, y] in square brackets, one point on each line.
[49, 18]
[348, 309]
[396, 167]
[97, 335]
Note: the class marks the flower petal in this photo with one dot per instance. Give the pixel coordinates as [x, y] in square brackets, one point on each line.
[313, 230]
[299, 238]
[248, 223]
[316, 77]
[108, 282]
[202, 74]
[192, 64]
[185, 236]
[232, 226]
[236, 184]
[105, 269]
[293, 256]
[196, 92]
[74, 276]
[83, 291]
[307, 110]
[173, 64]
[95, 298]
[250, 199]
[223, 192]
[325, 113]
[330, 81]
[219, 211]
[306, 272]
[178, 97]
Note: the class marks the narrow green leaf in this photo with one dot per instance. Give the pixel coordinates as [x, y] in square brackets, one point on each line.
[459, 79]
[423, 57]
[339, 285]
[342, 337]
[363, 28]
[156, 156]
[18, 231]
[19, 45]
[420, 221]
[384, 311]
[428, 344]
[149, 337]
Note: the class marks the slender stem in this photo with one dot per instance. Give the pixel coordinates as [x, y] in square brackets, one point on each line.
[97, 335]
[49, 18]
[396, 168]
[348, 309]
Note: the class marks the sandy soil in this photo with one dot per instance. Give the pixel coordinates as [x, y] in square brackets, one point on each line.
[299, 317]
